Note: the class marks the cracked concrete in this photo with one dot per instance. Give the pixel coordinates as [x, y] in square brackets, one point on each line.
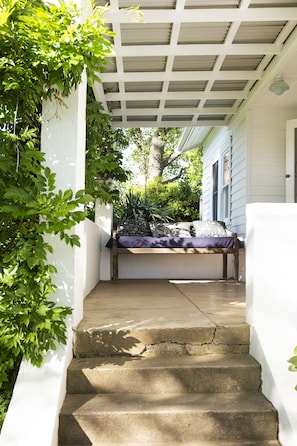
[152, 317]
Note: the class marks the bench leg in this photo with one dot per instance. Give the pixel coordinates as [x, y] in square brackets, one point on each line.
[236, 266]
[225, 266]
[115, 265]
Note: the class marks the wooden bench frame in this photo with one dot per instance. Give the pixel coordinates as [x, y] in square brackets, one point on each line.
[223, 251]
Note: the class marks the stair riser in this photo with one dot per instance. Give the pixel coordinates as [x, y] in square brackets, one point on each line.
[164, 380]
[167, 427]
[195, 341]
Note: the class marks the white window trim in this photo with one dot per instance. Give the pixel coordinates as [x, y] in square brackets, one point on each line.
[222, 187]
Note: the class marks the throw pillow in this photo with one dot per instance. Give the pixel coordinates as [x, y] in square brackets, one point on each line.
[133, 227]
[181, 229]
[208, 228]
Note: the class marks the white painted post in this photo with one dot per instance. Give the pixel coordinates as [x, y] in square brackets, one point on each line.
[63, 141]
[271, 272]
[103, 219]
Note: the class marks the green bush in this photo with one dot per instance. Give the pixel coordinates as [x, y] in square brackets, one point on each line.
[159, 202]
[135, 205]
[178, 197]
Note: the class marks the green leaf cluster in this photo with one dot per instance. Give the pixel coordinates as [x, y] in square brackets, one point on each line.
[135, 205]
[293, 363]
[104, 153]
[45, 49]
[160, 201]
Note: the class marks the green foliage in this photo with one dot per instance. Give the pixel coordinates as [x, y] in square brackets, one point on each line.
[44, 51]
[44, 47]
[104, 155]
[193, 169]
[181, 201]
[5, 397]
[142, 151]
[178, 200]
[140, 141]
[135, 205]
[293, 363]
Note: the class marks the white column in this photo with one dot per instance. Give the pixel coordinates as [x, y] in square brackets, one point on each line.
[63, 141]
[271, 278]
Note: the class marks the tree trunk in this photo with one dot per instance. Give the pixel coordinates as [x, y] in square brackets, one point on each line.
[156, 165]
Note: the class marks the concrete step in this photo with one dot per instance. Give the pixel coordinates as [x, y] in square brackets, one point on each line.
[196, 443]
[90, 340]
[139, 418]
[172, 374]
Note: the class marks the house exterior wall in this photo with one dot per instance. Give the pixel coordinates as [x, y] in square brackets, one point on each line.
[266, 154]
[258, 162]
[217, 141]
[238, 178]
[220, 140]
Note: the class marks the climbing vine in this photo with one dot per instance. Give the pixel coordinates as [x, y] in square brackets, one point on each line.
[104, 154]
[45, 49]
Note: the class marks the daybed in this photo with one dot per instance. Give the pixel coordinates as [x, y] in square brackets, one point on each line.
[197, 237]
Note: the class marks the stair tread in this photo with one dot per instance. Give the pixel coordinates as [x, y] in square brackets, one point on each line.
[196, 443]
[96, 404]
[213, 360]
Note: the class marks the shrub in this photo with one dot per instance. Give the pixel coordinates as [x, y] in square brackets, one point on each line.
[135, 205]
[182, 203]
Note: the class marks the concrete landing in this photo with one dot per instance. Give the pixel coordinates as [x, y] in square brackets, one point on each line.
[138, 317]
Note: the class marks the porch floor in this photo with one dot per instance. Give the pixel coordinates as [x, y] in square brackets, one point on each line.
[162, 310]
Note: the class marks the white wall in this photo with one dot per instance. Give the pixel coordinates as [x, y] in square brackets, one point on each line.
[217, 140]
[267, 154]
[215, 144]
[92, 255]
[238, 180]
[272, 305]
[104, 221]
[172, 266]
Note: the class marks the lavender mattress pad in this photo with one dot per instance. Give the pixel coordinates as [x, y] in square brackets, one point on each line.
[124, 241]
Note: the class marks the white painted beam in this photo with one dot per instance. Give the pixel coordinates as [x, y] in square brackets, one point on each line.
[196, 50]
[198, 15]
[156, 76]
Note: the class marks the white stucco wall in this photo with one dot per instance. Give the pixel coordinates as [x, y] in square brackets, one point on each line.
[172, 266]
[104, 221]
[92, 243]
[272, 305]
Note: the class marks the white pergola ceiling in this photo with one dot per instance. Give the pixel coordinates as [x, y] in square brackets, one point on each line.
[190, 62]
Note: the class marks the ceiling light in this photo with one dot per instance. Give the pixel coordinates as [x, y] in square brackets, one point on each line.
[279, 86]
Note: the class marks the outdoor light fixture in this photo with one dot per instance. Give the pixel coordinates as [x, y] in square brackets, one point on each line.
[279, 86]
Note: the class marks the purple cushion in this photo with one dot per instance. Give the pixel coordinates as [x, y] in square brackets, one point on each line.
[175, 242]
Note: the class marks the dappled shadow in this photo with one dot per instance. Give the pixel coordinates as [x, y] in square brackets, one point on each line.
[70, 429]
[174, 242]
[99, 341]
[146, 419]
[174, 399]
